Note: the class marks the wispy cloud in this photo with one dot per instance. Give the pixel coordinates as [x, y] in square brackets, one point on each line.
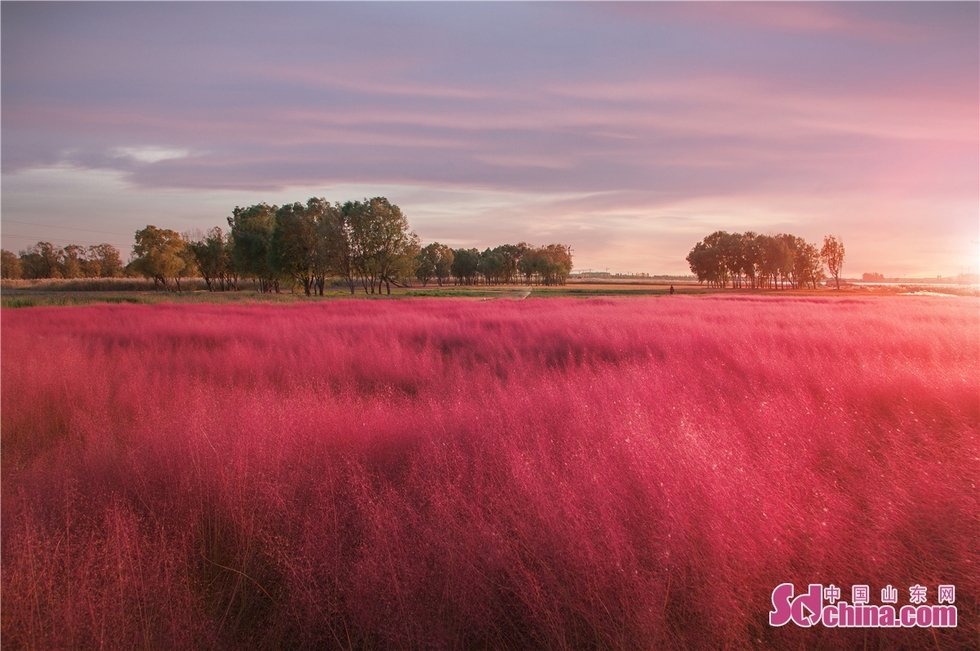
[148, 154]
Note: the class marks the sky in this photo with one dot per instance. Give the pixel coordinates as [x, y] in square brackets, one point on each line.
[628, 131]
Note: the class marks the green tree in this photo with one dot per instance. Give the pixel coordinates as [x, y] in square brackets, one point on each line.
[293, 245]
[774, 257]
[510, 255]
[323, 217]
[548, 265]
[788, 264]
[464, 265]
[434, 261]
[251, 234]
[808, 267]
[490, 265]
[425, 266]
[212, 256]
[444, 262]
[336, 237]
[383, 248]
[832, 254]
[707, 264]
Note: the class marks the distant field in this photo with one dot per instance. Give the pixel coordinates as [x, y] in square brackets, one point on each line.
[34, 293]
[565, 474]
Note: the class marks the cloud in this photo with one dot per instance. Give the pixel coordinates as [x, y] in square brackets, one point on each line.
[148, 154]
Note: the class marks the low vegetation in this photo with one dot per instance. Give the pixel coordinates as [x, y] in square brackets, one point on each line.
[460, 474]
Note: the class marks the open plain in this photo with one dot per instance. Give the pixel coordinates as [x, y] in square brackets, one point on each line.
[436, 473]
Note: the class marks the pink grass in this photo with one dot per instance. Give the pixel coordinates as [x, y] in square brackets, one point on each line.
[450, 474]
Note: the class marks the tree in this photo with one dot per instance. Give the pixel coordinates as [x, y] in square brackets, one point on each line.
[70, 261]
[251, 234]
[9, 265]
[490, 265]
[293, 245]
[425, 266]
[832, 254]
[336, 237]
[706, 263]
[721, 257]
[807, 268]
[213, 257]
[434, 260]
[322, 215]
[548, 265]
[40, 261]
[107, 257]
[774, 257]
[464, 265]
[765, 261]
[162, 254]
[384, 249]
[559, 258]
[511, 255]
[444, 262]
[788, 266]
[749, 256]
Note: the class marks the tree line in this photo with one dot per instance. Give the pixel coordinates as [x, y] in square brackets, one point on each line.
[502, 265]
[358, 243]
[764, 261]
[44, 260]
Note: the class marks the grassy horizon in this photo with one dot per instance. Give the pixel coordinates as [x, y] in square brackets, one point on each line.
[74, 292]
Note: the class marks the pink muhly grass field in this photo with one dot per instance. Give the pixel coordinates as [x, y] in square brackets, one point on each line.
[558, 474]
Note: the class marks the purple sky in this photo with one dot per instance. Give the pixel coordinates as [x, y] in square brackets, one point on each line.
[629, 131]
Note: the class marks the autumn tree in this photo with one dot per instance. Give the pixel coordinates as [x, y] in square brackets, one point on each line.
[70, 260]
[560, 263]
[832, 254]
[102, 261]
[9, 265]
[163, 255]
[40, 261]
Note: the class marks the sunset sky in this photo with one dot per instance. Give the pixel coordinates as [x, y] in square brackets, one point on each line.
[629, 131]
